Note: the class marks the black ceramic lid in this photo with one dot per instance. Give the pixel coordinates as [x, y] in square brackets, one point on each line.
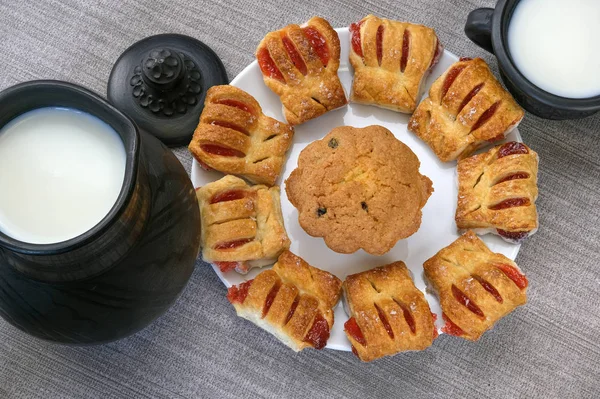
[161, 81]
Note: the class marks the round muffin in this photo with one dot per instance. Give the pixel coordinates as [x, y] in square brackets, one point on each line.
[359, 188]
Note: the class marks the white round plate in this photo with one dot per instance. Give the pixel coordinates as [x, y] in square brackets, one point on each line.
[438, 228]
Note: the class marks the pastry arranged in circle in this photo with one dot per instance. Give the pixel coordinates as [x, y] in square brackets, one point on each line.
[466, 108]
[388, 314]
[300, 64]
[497, 191]
[391, 60]
[359, 188]
[475, 286]
[235, 137]
[242, 225]
[293, 301]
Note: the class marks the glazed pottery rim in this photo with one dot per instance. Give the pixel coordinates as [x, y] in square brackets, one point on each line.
[501, 20]
[93, 102]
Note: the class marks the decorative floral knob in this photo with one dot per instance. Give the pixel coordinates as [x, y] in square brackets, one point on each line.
[167, 82]
[162, 69]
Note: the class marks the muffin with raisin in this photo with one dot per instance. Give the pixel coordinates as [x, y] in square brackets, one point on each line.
[359, 188]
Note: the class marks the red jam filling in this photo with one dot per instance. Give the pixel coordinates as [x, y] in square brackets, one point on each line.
[227, 266]
[204, 166]
[408, 317]
[267, 65]
[510, 203]
[486, 116]
[489, 288]
[435, 331]
[230, 125]
[270, 298]
[385, 322]
[512, 273]
[437, 54]
[405, 50]
[514, 176]
[450, 328]
[513, 235]
[232, 244]
[450, 78]
[292, 309]
[318, 43]
[465, 59]
[352, 328]
[466, 302]
[470, 96]
[354, 350]
[379, 43]
[293, 54]
[223, 151]
[356, 42]
[230, 195]
[512, 148]
[236, 104]
[318, 334]
[238, 293]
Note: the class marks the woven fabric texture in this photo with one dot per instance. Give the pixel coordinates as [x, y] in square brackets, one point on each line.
[200, 349]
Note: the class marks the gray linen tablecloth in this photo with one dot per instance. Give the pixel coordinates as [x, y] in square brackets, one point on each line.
[549, 348]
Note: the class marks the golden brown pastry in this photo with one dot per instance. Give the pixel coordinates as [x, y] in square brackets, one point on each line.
[466, 108]
[497, 191]
[300, 64]
[235, 137]
[388, 314]
[391, 60]
[242, 225]
[475, 286]
[359, 188]
[293, 301]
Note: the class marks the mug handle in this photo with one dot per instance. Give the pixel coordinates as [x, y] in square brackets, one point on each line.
[479, 28]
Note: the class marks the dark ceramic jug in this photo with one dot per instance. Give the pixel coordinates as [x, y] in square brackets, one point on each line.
[126, 271]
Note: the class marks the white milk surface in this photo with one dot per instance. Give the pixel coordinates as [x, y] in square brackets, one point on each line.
[61, 171]
[556, 45]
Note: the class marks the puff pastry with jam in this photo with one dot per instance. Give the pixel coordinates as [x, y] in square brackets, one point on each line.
[497, 191]
[466, 108]
[235, 137]
[293, 301]
[300, 64]
[475, 286]
[242, 225]
[388, 314]
[391, 60]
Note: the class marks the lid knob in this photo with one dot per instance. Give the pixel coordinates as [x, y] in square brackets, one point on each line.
[162, 69]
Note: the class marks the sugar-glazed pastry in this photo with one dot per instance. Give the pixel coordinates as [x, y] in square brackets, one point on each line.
[466, 108]
[300, 64]
[388, 314]
[235, 137]
[293, 301]
[475, 286]
[359, 188]
[391, 60]
[242, 225]
[497, 191]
